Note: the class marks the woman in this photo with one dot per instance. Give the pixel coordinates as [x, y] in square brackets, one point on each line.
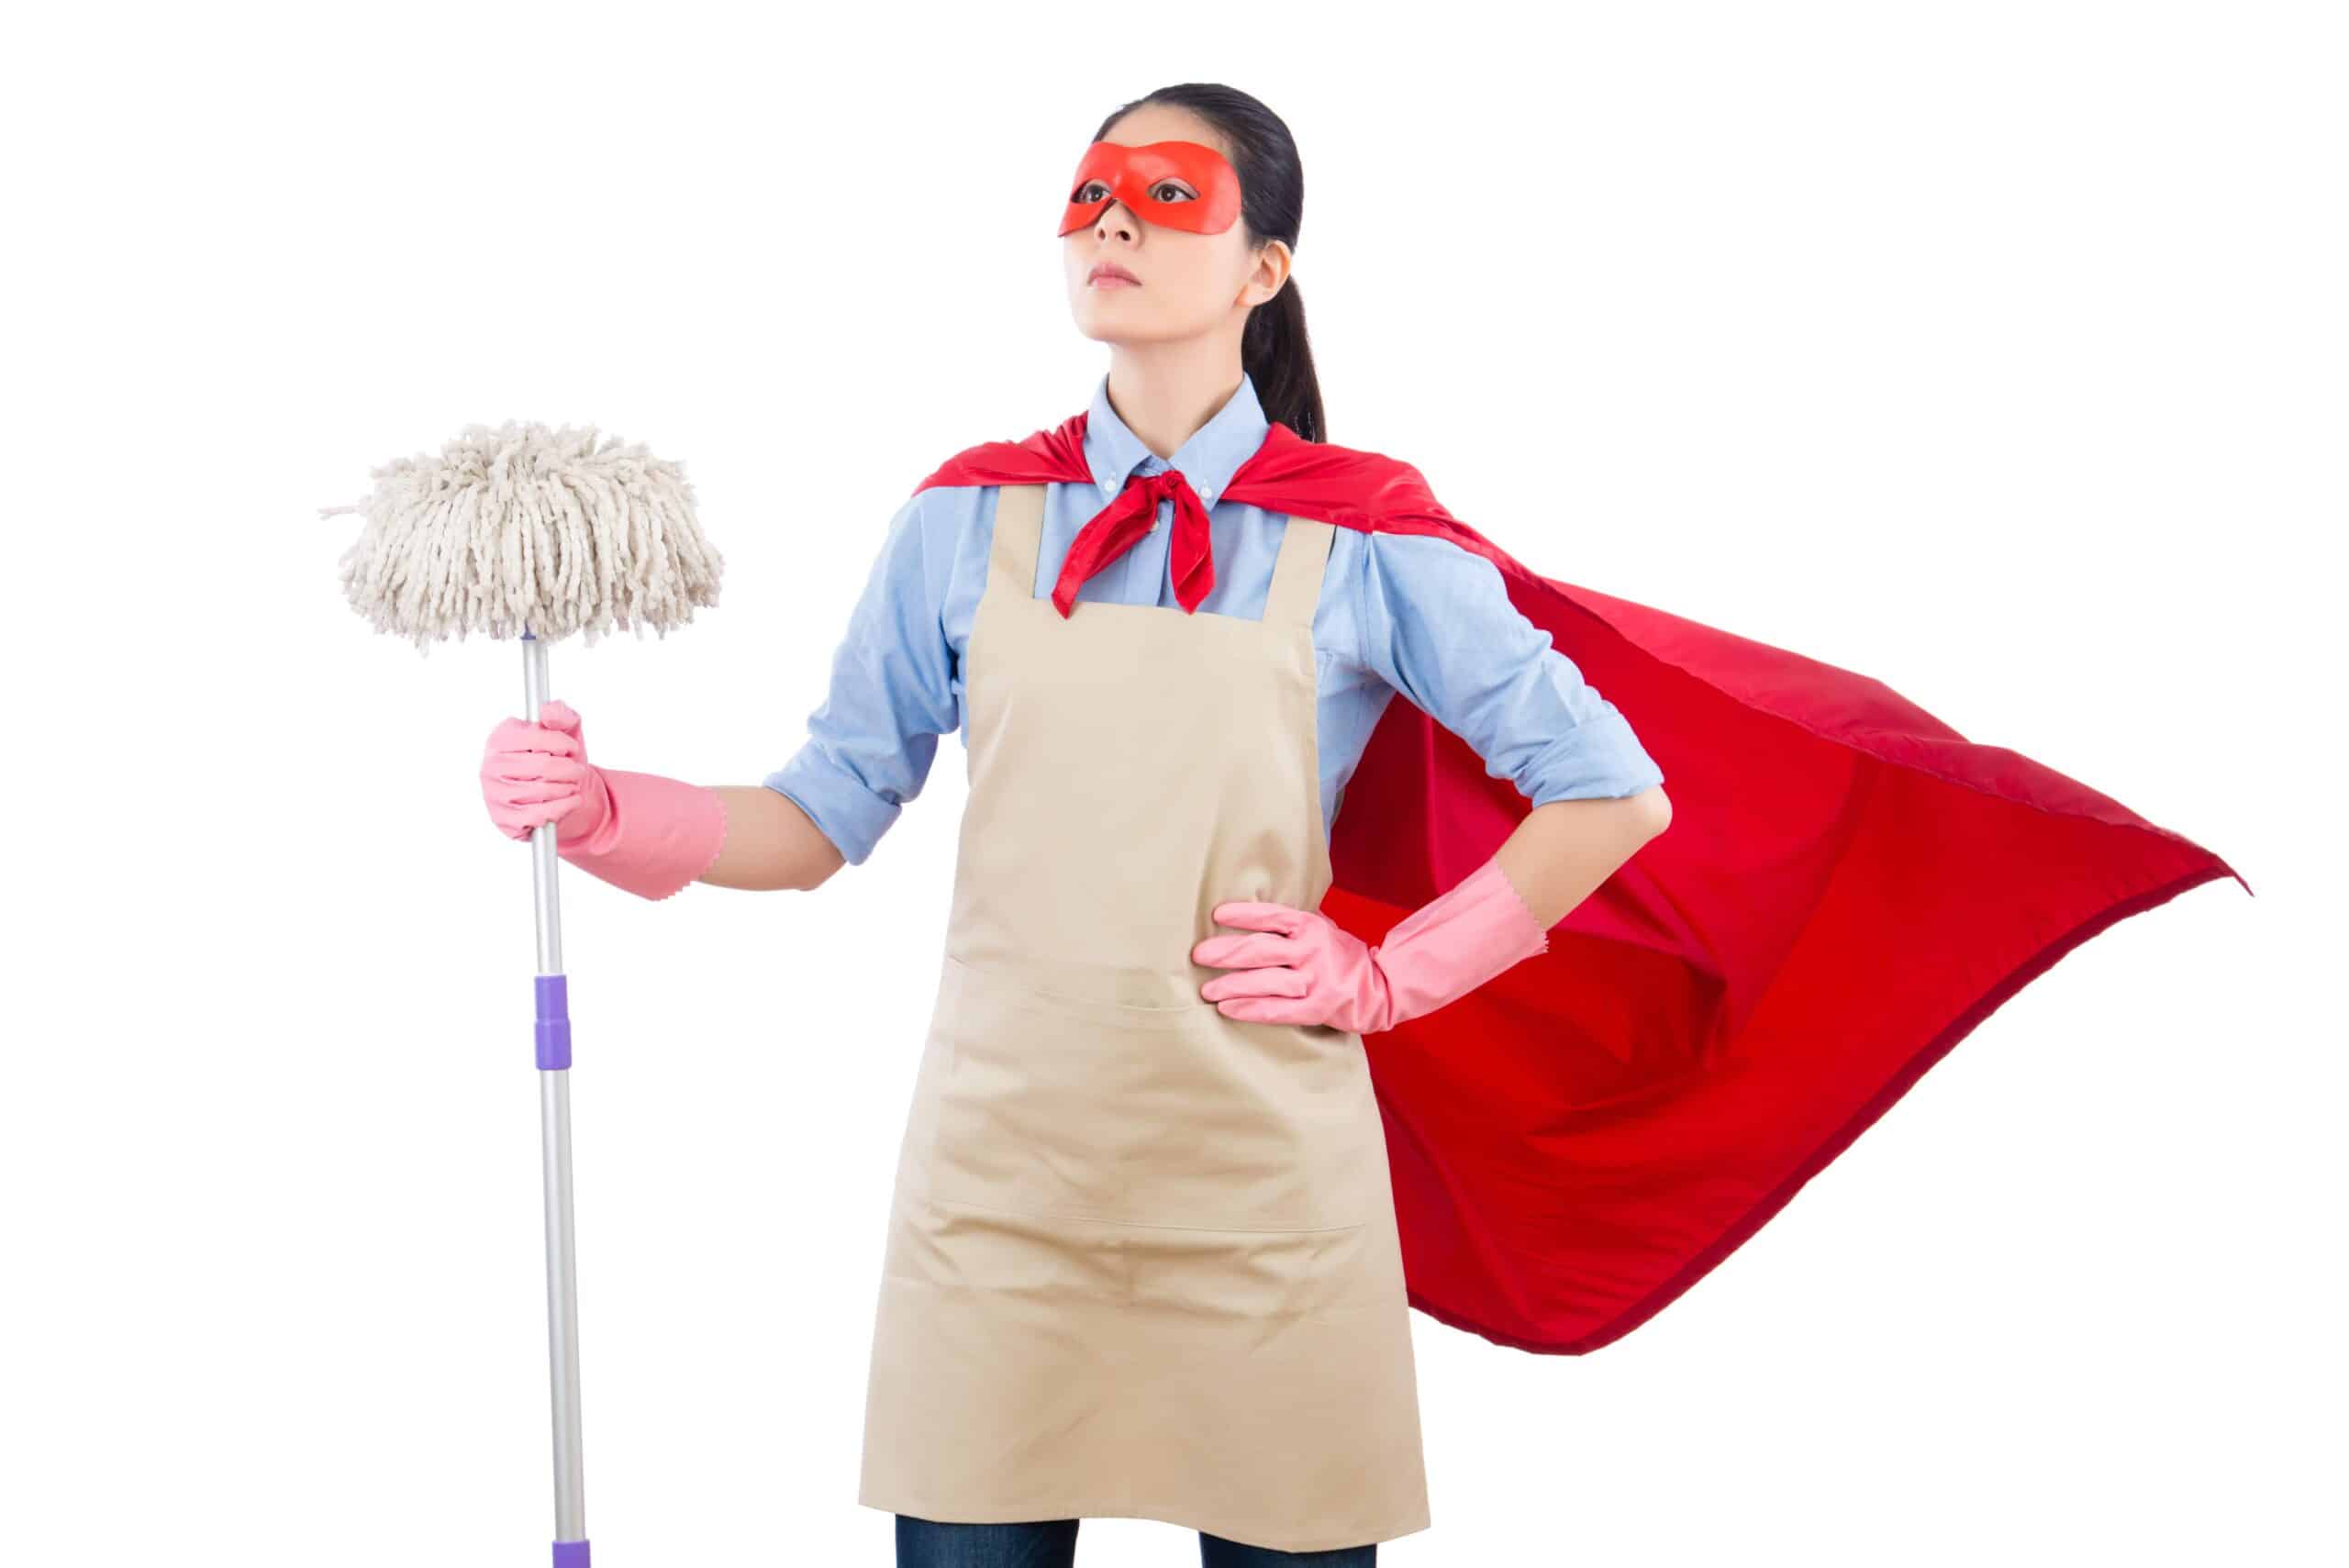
[1147, 1254]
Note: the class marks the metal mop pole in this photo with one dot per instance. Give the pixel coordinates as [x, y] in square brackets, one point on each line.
[527, 525]
[554, 1138]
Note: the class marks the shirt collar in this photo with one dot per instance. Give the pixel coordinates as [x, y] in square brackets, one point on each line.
[1209, 460]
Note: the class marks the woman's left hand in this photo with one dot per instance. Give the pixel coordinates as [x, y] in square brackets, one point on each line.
[1297, 966]
[1293, 966]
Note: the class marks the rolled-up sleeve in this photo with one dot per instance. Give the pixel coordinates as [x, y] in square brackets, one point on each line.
[871, 742]
[1437, 625]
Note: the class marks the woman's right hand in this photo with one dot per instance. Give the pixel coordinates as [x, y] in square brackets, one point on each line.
[540, 773]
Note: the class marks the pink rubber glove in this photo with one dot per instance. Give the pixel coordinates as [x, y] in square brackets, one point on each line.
[1298, 966]
[642, 832]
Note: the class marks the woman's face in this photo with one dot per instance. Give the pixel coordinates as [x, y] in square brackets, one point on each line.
[1187, 285]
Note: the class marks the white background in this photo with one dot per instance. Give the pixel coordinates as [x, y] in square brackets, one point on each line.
[1995, 351]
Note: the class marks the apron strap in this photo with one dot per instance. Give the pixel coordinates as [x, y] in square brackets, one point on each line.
[1296, 592]
[1018, 534]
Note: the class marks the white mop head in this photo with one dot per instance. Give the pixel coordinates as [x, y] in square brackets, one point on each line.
[523, 528]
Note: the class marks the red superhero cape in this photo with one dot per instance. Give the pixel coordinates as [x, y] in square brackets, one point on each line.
[1848, 887]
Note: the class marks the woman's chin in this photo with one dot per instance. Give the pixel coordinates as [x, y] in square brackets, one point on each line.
[1109, 317]
[1126, 334]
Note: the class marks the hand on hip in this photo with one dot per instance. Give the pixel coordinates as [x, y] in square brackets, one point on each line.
[1297, 966]
[1293, 966]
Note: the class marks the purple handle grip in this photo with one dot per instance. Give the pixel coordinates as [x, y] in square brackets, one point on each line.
[554, 1044]
[570, 1554]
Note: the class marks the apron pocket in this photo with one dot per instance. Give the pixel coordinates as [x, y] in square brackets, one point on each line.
[1040, 1102]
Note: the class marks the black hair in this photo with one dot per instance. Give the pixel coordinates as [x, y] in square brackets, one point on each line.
[1273, 347]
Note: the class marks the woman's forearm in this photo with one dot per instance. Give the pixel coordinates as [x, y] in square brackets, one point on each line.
[771, 844]
[1563, 852]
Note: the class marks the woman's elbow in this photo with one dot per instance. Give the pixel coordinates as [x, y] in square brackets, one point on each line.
[1654, 810]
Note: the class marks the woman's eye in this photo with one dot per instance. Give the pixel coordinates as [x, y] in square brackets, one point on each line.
[1158, 193]
[1091, 190]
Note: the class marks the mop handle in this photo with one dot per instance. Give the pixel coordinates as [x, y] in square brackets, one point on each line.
[554, 1035]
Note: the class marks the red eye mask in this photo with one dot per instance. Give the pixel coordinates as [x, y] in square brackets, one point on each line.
[1132, 175]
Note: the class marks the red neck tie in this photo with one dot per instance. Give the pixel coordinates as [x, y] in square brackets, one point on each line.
[1117, 525]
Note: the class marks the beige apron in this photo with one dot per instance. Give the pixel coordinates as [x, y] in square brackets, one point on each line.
[1142, 1258]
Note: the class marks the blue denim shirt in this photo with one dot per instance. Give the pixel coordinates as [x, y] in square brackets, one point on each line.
[1407, 614]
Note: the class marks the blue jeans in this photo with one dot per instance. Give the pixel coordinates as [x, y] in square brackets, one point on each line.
[1052, 1544]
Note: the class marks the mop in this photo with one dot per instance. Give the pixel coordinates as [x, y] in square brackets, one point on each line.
[525, 531]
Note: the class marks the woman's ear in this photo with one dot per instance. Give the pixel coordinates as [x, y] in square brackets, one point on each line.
[1274, 258]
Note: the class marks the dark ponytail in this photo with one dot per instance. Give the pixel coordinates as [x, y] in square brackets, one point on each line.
[1273, 347]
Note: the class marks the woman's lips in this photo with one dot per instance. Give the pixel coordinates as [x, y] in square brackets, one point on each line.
[1108, 280]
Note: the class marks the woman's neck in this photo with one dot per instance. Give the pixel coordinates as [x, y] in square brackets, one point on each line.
[1166, 392]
